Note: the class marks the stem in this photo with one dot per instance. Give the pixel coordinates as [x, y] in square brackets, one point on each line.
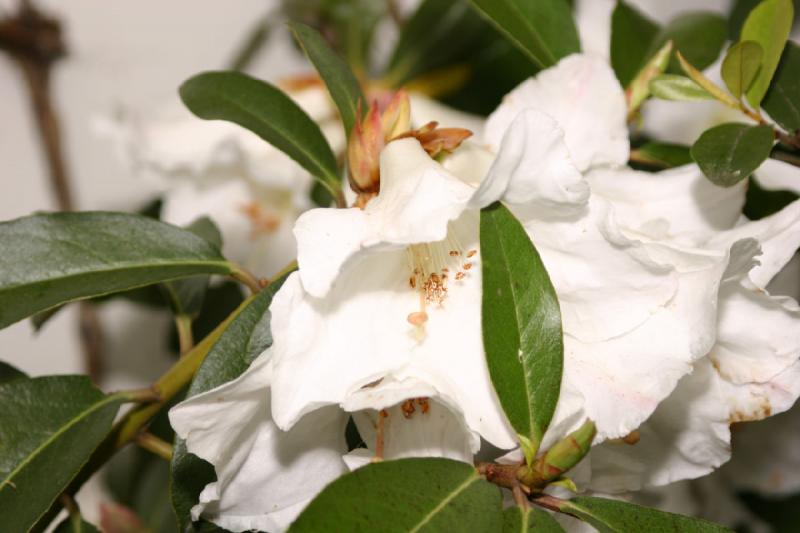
[131, 425]
[140, 395]
[183, 323]
[520, 498]
[153, 444]
[549, 502]
[243, 276]
[380, 435]
[256, 38]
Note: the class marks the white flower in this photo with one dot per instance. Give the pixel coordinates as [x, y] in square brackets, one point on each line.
[251, 190]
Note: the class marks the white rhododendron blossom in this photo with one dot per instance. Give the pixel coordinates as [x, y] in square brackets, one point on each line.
[655, 275]
[251, 190]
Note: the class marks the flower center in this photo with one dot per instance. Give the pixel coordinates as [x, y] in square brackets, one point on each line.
[433, 267]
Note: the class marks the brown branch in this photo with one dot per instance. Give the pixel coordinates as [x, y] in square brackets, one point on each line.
[35, 42]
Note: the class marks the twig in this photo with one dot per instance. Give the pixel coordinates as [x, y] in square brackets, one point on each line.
[183, 323]
[243, 276]
[155, 445]
[35, 42]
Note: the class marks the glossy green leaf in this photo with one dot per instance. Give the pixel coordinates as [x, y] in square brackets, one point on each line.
[677, 87]
[663, 155]
[407, 495]
[530, 520]
[49, 427]
[245, 338]
[8, 372]
[544, 29]
[436, 35]
[728, 153]
[342, 84]
[698, 35]
[266, 111]
[614, 516]
[740, 66]
[51, 259]
[782, 101]
[522, 332]
[769, 25]
[632, 36]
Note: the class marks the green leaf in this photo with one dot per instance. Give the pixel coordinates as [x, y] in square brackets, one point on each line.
[699, 36]
[677, 87]
[740, 66]
[530, 520]
[8, 372]
[614, 516]
[769, 25]
[407, 495]
[521, 324]
[544, 29]
[436, 35]
[342, 84]
[75, 525]
[728, 153]
[51, 259]
[186, 296]
[247, 336]
[632, 36]
[664, 155]
[782, 101]
[266, 111]
[49, 427]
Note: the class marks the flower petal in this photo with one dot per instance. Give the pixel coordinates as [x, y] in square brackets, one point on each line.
[778, 235]
[679, 203]
[584, 97]
[687, 437]
[264, 476]
[418, 199]
[533, 166]
[777, 175]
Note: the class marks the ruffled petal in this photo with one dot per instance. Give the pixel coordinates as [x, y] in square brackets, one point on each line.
[533, 166]
[687, 437]
[584, 97]
[778, 236]
[264, 476]
[418, 199]
[679, 203]
[363, 320]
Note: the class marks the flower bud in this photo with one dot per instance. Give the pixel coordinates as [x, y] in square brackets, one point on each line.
[568, 452]
[363, 152]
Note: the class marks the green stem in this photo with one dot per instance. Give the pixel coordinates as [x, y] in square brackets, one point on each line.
[153, 444]
[183, 323]
[243, 276]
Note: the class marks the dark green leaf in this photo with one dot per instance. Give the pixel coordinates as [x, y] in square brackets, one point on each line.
[632, 36]
[435, 36]
[769, 25]
[699, 36]
[266, 111]
[677, 87]
[186, 295]
[51, 259]
[342, 84]
[544, 29]
[430, 494]
[760, 202]
[521, 324]
[75, 525]
[782, 101]
[8, 372]
[664, 155]
[49, 427]
[740, 66]
[728, 153]
[530, 520]
[614, 516]
[245, 338]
